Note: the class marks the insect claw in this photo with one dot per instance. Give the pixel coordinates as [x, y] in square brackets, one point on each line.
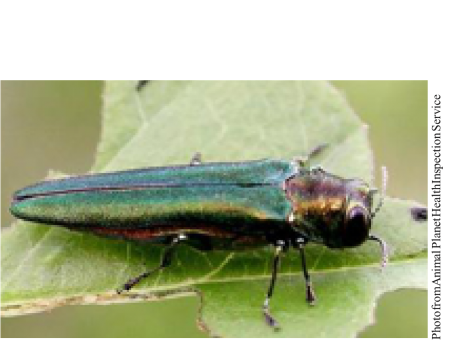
[317, 150]
[310, 295]
[304, 161]
[270, 320]
[127, 286]
[141, 84]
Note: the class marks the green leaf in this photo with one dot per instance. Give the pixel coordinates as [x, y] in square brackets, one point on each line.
[166, 123]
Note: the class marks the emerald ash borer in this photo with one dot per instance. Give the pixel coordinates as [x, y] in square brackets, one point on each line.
[210, 206]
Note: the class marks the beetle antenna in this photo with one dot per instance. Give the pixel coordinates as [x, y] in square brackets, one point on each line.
[383, 191]
[384, 249]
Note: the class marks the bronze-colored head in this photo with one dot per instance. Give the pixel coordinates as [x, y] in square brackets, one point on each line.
[334, 211]
[331, 210]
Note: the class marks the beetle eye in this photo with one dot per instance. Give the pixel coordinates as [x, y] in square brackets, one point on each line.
[357, 226]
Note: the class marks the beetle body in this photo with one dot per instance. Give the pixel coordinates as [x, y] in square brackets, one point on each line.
[210, 206]
[235, 204]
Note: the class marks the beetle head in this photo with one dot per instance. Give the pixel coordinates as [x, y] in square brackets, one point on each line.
[332, 210]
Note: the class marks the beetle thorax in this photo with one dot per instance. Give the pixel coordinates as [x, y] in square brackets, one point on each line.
[318, 204]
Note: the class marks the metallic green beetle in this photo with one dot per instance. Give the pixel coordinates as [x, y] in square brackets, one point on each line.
[212, 206]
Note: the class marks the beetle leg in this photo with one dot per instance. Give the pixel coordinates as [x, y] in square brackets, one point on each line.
[384, 249]
[165, 262]
[196, 159]
[317, 150]
[304, 161]
[141, 84]
[310, 295]
[276, 261]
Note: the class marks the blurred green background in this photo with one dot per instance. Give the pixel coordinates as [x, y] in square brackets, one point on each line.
[56, 125]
